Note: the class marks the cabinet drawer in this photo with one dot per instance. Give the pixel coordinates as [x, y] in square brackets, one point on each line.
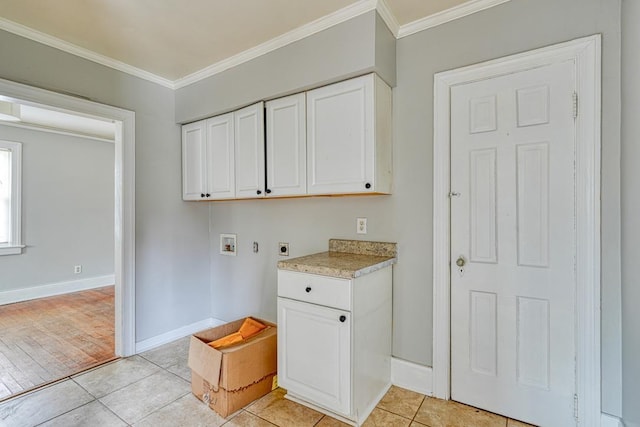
[322, 290]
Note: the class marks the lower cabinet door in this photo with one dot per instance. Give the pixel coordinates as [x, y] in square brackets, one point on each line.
[314, 353]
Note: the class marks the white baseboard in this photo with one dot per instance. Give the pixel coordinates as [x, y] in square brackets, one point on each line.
[412, 376]
[607, 420]
[52, 289]
[175, 334]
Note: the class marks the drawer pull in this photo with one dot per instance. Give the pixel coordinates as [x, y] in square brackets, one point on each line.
[308, 289]
[343, 318]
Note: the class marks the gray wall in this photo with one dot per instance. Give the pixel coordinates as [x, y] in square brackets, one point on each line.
[173, 259]
[67, 209]
[247, 284]
[630, 211]
[172, 245]
[342, 51]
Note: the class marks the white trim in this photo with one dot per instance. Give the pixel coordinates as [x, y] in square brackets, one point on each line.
[47, 129]
[447, 15]
[412, 376]
[321, 24]
[124, 235]
[586, 54]
[175, 334]
[11, 249]
[610, 421]
[309, 29]
[46, 39]
[14, 246]
[388, 17]
[52, 289]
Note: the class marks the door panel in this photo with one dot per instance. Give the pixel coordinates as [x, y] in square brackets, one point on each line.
[513, 227]
[193, 158]
[249, 146]
[316, 356]
[286, 146]
[341, 136]
[220, 157]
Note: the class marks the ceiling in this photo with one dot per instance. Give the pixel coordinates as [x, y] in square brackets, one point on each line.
[171, 40]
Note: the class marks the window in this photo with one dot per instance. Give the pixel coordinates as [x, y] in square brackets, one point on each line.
[10, 192]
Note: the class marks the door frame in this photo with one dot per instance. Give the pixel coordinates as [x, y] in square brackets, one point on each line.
[124, 190]
[586, 54]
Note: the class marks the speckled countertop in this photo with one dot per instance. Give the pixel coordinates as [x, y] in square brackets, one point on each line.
[346, 259]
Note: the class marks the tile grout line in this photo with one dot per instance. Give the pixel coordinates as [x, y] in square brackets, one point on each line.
[72, 409]
[160, 408]
[258, 416]
[135, 382]
[115, 390]
[413, 420]
[392, 413]
[116, 415]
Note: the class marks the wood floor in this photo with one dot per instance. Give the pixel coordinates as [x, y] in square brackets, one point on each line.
[51, 338]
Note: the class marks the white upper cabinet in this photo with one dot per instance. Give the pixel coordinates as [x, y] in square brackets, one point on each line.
[286, 146]
[249, 148]
[331, 140]
[349, 137]
[193, 161]
[220, 157]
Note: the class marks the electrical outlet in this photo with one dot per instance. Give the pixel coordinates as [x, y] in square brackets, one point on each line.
[283, 249]
[361, 225]
[77, 269]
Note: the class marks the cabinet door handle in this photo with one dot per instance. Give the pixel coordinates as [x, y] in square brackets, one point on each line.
[201, 194]
[208, 195]
[367, 186]
[343, 318]
[258, 192]
[308, 289]
[268, 191]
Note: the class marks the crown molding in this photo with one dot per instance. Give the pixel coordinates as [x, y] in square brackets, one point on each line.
[327, 21]
[337, 17]
[388, 17]
[456, 12]
[46, 39]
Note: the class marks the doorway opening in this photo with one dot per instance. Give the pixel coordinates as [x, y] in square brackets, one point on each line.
[123, 169]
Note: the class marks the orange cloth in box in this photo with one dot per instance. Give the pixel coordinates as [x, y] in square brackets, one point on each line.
[248, 329]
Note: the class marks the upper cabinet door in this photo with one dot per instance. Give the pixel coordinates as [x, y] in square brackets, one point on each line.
[193, 161]
[349, 137]
[249, 147]
[286, 146]
[220, 157]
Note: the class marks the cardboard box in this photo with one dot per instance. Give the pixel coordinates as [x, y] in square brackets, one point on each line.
[230, 378]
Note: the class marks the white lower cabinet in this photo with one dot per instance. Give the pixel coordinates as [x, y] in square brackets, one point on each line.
[334, 341]
[317, 360]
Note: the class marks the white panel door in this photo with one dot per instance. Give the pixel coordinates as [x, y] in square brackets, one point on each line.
[513, 228]
[315, 353]
[286, 146]
[220, 157]
[193, 161]
[249, 146]
[341, 137]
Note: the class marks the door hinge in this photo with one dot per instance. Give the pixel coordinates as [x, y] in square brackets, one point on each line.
[575, 406]
[575, 105]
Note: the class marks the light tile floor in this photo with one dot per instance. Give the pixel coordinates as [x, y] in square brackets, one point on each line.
[153, 389]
